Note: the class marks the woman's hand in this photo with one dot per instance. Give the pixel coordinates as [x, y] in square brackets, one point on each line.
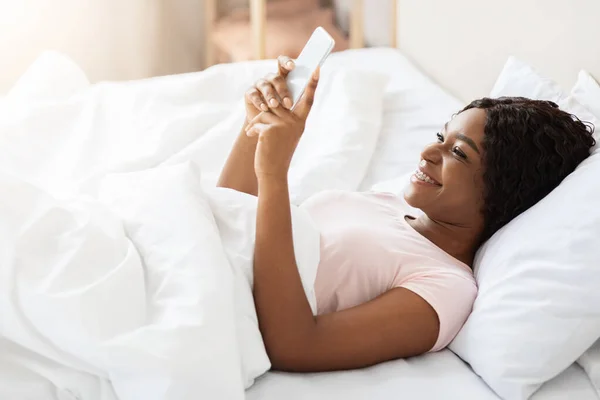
[279, 131]
[270, 92]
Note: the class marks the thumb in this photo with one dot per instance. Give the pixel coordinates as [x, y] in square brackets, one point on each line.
[308, 97]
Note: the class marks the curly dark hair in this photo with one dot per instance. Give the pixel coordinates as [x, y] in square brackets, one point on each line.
[529, 147]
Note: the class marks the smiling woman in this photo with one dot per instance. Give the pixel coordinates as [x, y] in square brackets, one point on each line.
[390, 285]
[492, 161]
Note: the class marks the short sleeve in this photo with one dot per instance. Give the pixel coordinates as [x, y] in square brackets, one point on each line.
[451, 295]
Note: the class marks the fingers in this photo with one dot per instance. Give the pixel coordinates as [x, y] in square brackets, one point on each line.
[266, 88]
[281, 87]
[272, 91]
[285, 65]
[256, 129]
[263, 118]
[308, 98]
[255, 97]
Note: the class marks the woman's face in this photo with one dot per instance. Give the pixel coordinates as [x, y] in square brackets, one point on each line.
[448, 183]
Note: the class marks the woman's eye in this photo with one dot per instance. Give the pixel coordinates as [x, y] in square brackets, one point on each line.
[456, 150]
[440, 137]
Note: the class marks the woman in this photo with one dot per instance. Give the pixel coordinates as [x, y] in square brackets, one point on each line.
[390, 285]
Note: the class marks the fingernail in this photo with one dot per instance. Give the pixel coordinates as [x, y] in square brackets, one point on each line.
[289, 64]
[287, 102]
[273, 103]
[264, 107]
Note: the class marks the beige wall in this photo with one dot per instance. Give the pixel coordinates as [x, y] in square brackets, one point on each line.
[377, 19]
[110, 39]
[463, 44]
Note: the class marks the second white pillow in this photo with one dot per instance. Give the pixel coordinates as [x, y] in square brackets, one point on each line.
[536, 311]
[587, 92]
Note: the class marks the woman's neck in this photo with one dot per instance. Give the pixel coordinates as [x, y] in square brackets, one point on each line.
[460, 242]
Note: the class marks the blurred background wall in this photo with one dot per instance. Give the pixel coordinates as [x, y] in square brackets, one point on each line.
[126, 39]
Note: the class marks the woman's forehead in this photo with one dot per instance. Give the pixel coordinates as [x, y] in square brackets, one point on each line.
[470, 123]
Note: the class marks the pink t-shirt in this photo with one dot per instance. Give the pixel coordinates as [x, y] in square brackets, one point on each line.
[368, 248]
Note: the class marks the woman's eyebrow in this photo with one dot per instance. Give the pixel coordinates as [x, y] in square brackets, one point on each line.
[464, 138]
[468, 141]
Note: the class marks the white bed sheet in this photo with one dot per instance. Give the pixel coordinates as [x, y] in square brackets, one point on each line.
[407, 127]
[432, 376]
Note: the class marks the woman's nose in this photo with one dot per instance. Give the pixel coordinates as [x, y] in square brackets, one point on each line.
[432, 153]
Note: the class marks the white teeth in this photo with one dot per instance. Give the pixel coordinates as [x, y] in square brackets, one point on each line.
[422, 176]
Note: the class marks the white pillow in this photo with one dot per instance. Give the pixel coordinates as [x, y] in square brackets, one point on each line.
[587, 92]
[520, 79]
[537, 308]
[341, 133]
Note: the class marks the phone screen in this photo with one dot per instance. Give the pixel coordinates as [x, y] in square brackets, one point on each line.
[312, 55]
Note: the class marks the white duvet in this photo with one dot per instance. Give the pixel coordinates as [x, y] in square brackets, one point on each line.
[124, 274]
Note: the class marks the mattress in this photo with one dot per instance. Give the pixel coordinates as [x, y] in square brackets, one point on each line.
[414, 110]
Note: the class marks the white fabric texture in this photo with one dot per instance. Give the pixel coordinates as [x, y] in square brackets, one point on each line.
[536, 311]
[432, 376]
[151, 203]
[590, 362]
[121, 266]
[587, 92]
[163, 120]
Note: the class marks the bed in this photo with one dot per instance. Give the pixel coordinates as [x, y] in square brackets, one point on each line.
[414, 104]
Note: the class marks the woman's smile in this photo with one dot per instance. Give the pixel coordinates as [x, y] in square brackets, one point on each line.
[421, 177]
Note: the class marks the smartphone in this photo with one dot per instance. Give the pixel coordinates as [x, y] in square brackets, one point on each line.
[313, 55]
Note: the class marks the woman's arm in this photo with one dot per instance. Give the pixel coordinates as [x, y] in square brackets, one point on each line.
[268, 93]
[238, 172]
[397, 324]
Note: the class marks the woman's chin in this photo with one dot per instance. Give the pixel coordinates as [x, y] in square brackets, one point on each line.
[411, 196]
[416, 194]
